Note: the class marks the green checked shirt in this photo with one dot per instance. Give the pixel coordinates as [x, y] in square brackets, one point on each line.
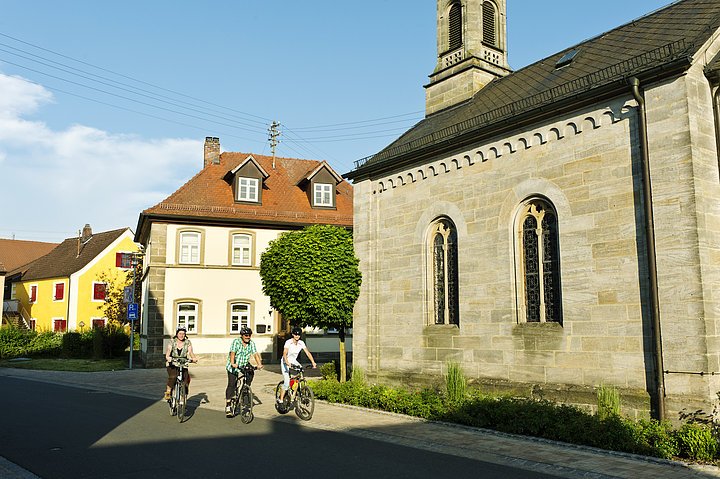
[242, 353]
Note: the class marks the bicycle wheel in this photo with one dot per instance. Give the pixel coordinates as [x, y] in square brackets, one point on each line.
[182, 401]
[305, 405]
[284, 407]
[171, 402]
[246, 405]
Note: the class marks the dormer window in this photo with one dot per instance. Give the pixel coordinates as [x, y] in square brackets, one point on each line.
[320, 184]
[247, 189]
[247, 180]
[323, 194]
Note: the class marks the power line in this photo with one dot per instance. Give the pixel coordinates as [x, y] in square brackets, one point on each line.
[357, 130]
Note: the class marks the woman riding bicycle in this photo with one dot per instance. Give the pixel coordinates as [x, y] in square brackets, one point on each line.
[179, 348]
[241, 350]
[292, 349]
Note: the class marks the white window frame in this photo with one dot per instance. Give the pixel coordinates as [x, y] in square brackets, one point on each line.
[55, 298]
[322, 194]
[242, 248]
[239, 319]
[247, 189]
[97, 318]
[13, 291]
[189, 321]
[189, 252]
[59, 318]
[37, 292]
[92, 292]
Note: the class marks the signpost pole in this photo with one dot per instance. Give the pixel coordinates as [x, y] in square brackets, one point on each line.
[133, 262]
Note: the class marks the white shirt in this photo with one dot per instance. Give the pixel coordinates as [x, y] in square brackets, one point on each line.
[294, 350]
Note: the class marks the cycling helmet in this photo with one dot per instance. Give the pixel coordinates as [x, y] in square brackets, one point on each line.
[245, 330]
[296, 330]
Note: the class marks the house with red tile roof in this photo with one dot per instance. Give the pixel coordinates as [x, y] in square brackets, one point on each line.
[203, 245]
[65, 289]
[15, 256]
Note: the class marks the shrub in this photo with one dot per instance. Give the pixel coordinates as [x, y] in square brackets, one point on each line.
[327, 370]
[98, 343]
[532, 417]
[71, 345]
[455, 383]
[358, 375]
[16, 342]
[696, 441]
[608, 399]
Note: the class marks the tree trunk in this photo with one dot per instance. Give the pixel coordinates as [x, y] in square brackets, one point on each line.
[343, 362]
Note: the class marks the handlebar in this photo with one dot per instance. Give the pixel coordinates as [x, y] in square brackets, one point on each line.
[180, 362]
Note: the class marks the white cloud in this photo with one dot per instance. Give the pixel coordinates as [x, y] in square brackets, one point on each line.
[56, 181]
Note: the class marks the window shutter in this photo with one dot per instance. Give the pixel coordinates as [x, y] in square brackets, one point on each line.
[455, 27]
[59, 291]
[33, 294]
[118, 259]
[489, 36]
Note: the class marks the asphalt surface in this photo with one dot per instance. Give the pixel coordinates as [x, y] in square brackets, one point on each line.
[529, 454]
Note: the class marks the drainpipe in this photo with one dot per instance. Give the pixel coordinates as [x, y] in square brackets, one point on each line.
[716, 113]
[634, 83]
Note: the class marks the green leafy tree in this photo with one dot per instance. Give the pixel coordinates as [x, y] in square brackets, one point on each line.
[312, 279]
[114, 309]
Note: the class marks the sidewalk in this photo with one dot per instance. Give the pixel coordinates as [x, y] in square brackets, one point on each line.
[207, 391]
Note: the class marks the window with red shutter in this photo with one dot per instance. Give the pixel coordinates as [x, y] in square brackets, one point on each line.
[33, 293]
[59, 291]
[118, 260]
[99, 291]
[60, 325]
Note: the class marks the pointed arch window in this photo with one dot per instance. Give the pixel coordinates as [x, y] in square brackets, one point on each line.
[489, 19]
[540, 248]
[455, 39]
[443, 274]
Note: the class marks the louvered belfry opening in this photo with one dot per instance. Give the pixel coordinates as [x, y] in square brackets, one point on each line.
[489, 34]
[455, 27]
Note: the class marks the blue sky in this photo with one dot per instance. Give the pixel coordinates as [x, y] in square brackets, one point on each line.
[104, 106]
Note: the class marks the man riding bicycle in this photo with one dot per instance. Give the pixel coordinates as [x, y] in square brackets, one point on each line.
[241, 350]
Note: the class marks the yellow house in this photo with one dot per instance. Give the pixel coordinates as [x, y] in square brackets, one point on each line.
[65, 289]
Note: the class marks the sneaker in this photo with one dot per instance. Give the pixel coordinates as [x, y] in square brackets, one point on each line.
[279, 401]
[228, 411]
[167, 396]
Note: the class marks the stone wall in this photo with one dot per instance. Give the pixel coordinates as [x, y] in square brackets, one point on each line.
[587, 164]
[153, 353]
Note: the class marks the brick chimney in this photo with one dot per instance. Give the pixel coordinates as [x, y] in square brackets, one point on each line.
[212, 151]
[86, 233]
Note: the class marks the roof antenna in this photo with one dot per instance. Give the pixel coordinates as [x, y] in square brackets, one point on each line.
[273, 139]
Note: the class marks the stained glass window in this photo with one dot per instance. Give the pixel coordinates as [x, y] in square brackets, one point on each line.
[444, 275]
[541, 263]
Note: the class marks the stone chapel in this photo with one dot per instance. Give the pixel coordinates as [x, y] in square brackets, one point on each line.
[555, 228]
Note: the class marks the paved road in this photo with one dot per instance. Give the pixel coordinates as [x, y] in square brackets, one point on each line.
[61, 432]
[116, 419]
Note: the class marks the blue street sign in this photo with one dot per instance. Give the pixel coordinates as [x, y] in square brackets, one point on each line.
[133, 310]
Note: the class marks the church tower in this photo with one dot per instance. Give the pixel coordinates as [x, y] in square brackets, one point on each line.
[472, 51]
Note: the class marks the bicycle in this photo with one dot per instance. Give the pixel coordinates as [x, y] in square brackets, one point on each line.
[178, 397]
[298, 396]
[242, 400]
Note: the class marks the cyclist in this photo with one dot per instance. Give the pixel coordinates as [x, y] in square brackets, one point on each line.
[179, 347]
[292, 349]
[241, 350]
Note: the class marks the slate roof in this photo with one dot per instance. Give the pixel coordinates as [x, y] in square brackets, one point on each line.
[207, 198]
[658, 44]
[14, 254]
[64, 259]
